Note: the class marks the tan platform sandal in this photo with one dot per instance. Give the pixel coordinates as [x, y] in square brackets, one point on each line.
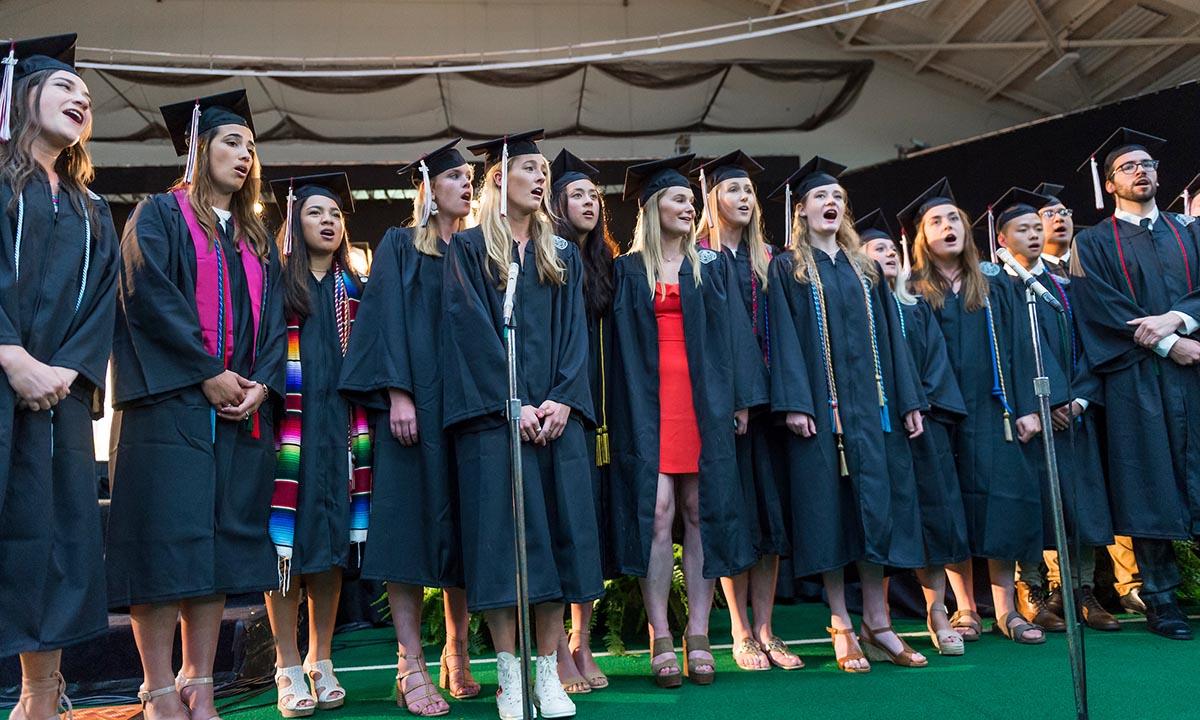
[329, 692]
[698, 644]
[878, 652]
[664, 648]
[946, 642]
[422, 698]
[968, 624]
[843, 661]
[294, 699]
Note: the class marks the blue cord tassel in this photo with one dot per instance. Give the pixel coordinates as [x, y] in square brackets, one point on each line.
[885, 418]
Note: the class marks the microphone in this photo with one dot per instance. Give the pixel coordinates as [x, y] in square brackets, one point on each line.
[1029, 280]
[510, 290]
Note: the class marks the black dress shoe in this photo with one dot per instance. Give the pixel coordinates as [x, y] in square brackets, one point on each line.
[1054, 601]
[1094, 614]
[1132, 602]
[1031, 603]
[1165, 618]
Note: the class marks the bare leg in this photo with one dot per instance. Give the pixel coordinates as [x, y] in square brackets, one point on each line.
[568, 673]
[580, 644]
[502, 625]
[699, 589]
[39, 686]
[1002, 574]
[324, 592]
[405, 603]
[875, 610]
[736, 590]
[933, 587]
[839, 619]
[962, 583]
[201, 629]
[656, 586]
[154, 634]
[283, 611]
[456, 655]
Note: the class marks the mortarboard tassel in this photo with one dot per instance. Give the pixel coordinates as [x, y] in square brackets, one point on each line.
[287, 224]
[787, 220]
[991, 233]
[189, 170]
[708, 210]
[6, 91]
[504, 179]
[1187, 203]
[427, 208]
[1096, 184]
[905, 262]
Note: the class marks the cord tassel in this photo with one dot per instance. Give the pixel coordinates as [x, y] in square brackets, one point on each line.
[189, 170]
[427, 210]
[1008, 433]
[885, 419]
[991, 232]
[843, 467]
[6, 92]
[787, 218]
[287, 222]
[708, 209]
[906, 263]
[504, 179]
[602, 451]
[1096, 184]
[1187, 203]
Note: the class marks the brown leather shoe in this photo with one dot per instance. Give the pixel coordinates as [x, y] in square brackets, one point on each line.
[1094, 614]
[1031, 603]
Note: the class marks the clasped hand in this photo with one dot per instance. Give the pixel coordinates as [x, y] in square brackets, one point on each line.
[38, 386]
[234, 397]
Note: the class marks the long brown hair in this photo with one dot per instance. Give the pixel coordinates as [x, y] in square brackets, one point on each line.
[933, 286]
[202, 190]
[17, 164]
[597, 251]
[296, 298]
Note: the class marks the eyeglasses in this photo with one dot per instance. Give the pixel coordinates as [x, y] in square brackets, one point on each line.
[1131, 167]
[1061, 212]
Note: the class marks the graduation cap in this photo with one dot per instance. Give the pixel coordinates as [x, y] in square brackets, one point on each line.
[873, 226]
[1014, 203]
[1185, 196]
[292, 190]
[430, 165]
[499, 150]
[567, 168]
[1120, 142]
[645, 179]
[736, 164]
[1050, 191]
[910, 217]
[25, 57]
[188, 120]
[816, 172]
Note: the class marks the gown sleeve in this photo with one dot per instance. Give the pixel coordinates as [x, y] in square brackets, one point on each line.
[571, 385]
[941, 385]
[271, 359]
[750, 373]
[909, 393]
[9, 335]
[790, 391]
[1012, 321]
[1104, 307]
[1189, 233]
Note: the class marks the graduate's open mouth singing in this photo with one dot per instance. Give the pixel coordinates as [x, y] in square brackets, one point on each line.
[589, 214]
[950, 239]
[75, 115]
[327, 233]
[242, 170]
[537, 192]
[466, 197]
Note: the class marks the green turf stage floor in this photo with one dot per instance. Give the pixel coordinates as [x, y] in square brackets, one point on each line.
[1132, 674]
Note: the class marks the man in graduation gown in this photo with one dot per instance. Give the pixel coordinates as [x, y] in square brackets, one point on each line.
[1136, 274]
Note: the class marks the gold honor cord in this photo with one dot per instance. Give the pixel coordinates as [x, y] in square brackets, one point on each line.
[602, 452]
[818, 293]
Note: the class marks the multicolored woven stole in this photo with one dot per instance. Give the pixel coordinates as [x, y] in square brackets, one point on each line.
[288, 441]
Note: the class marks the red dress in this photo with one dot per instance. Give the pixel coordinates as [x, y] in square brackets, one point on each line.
[678, 435]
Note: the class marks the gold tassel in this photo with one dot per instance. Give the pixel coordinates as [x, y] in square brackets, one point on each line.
[879, 387]
[842, 465]
[1008, 436]
[602, 456]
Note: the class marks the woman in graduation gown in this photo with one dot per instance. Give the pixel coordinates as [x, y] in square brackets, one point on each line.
[552, 349]
[843, 375]
[982, 320]
[199, 351]
[581, 217]
[58, 269]
[943, 520]
[394, 366]
[731, 223]
[688, 370]
[322, 496]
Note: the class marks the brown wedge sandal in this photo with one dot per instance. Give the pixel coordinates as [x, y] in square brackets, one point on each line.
[664, 647]
[878, 652]
[698, 644]
[844, 660]
[968, 624]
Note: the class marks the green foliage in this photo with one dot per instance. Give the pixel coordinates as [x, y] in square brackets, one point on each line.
[1189, 571]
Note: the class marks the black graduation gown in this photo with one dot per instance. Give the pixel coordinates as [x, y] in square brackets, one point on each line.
[397, 343]
[562, 543]
[1153, 438]
[51, 560]
[727, 375]
[1000, 487]
[189, 515]
[599, 368]
[871, 515]
[762, 461]
[1077, 450]
[943, 519]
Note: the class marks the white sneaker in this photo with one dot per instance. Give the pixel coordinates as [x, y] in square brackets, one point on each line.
[548, 695]
[508, 697]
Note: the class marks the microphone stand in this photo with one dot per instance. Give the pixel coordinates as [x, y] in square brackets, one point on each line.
[518, 497]
[1041, 388]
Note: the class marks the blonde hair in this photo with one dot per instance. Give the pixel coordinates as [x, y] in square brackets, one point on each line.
[647, 240]
[753, 235]
[900, 286]
[241, 204]
[933, 286]
[426, 239]
[498, 237]
[847, 239]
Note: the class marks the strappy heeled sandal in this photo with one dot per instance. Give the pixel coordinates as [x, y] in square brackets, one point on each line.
[967, 624]
[56, 685]
[665, 647]
[291, 699]
[698, 644]
[145, 696]
[749, 649]
[597, 680]
[325, 684]
[878, 652]
[182, 682]
[946, 642]
[1016, 631]
[843, 661]
[455, 677]
[422, 699]
[777, 648]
